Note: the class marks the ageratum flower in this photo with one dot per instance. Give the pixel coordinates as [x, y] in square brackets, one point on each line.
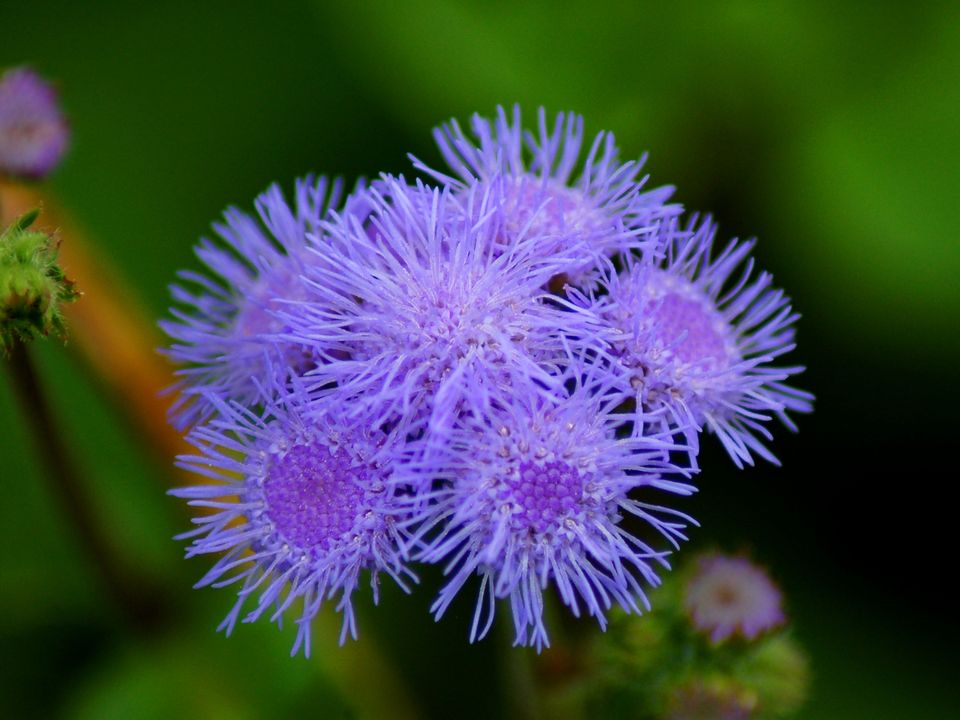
[221, 326]
[535, 493]
[698, 343]
[298, 509]
[599, 206]
[730, 595]
[33, 132]
[436, 320]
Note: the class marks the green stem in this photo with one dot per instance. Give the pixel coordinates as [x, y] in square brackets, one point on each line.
[516, 671]
[129, 593]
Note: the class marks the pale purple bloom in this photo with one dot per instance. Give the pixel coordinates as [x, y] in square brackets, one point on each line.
[534, 493]
[224, 327]
[33, 132]
[594, 203]
[699, 338]
[730, 595]
[436, 311]
[297, 508]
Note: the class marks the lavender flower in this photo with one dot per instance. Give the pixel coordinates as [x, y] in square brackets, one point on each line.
[601, 210]
[33, 131]
[699, 347]
[536, 491]
[432, 319]
[298, 507]
[729, 595]
[222, 328]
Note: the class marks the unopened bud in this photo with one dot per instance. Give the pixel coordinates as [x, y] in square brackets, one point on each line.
[32, 285]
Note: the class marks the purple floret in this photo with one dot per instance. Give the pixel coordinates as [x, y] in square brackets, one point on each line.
[298, 508]
[535, 493]
[730, 595]
[699, 336]
[224, 327]
[595, 204]
[33, 132]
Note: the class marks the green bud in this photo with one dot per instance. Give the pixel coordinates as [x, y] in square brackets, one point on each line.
[776, 669]
[715, 697]
[32, 285]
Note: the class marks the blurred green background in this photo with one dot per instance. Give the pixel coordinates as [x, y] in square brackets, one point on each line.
[829, 130]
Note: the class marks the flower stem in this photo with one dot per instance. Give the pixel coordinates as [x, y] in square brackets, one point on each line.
[129, 593]
[109, 331]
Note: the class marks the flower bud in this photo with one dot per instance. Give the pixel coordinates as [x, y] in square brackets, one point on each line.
[716, 645]
[32, 285]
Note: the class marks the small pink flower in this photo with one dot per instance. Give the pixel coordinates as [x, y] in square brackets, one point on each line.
[33, 131]
[730, 595]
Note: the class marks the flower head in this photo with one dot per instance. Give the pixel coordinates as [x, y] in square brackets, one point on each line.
[33, 131]
[400, 378]
[599, 207]
[224, 328]
[299, 509]
[535, 493]
[32, 285]
[699, 349]
[431, 319]
[729, 595]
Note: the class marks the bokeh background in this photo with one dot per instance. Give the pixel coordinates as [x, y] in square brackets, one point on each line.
[829, 130]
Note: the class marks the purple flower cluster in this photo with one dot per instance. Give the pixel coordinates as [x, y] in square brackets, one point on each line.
[502, 370]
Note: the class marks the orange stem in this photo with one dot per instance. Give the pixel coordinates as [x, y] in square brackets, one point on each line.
[108, 328]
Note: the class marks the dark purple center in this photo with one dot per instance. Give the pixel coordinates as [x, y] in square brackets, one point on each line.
[545, 493]
[314, 496]
[676, 315]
